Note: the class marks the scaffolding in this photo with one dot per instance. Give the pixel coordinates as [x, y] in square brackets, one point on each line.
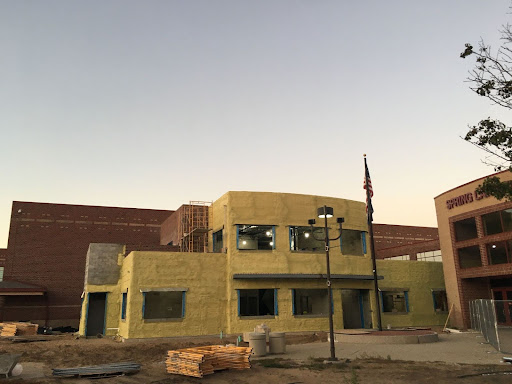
[193, 226]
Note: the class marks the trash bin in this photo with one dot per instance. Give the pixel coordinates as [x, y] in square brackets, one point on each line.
[277, 342]
[258, 343]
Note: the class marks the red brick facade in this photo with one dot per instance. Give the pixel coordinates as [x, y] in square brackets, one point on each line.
[47, 247]
[397, 240]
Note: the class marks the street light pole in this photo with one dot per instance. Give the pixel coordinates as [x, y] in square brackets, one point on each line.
[326, 212]
[329, 288]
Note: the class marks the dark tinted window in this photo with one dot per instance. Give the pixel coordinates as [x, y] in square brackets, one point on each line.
[492, 223]
[470, 257]
[465, 229]
[497, 253]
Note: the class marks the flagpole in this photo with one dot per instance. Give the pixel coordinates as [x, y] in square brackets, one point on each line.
[372, 245]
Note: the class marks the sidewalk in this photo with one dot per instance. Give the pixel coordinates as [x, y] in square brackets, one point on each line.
[458, 348]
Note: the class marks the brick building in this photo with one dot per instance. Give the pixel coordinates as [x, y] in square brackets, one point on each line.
[44, 262]
[403, 242]
[476, 243]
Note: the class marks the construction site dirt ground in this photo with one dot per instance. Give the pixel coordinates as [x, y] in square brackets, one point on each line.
[456, 358]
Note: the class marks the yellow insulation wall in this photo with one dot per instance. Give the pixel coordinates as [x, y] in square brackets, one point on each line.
[211, 291]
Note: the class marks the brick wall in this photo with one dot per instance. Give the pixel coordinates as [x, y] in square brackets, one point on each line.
[48, 245]
[387, 235]
[397, 240]
[3, 256]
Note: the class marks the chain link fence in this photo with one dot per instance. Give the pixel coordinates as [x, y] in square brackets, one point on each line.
[493, 318]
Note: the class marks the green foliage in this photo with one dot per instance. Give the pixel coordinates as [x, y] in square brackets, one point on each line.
[492, 78]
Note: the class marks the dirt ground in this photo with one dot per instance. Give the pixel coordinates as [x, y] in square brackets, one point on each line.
[67, 352]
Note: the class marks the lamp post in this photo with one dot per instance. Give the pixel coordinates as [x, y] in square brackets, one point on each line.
[326, 212]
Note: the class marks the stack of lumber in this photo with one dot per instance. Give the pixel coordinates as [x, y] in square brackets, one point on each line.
[18, 329]
[201, 361]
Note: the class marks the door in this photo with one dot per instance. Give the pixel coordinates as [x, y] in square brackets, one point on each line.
[96, 307]
[356, 308]
[503, 307]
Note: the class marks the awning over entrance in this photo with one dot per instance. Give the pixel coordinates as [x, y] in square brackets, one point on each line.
[16, 288]
[300, 276]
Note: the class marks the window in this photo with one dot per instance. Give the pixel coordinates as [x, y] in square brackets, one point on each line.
[499, 252]
[469, 257]
[351, 242]
[255, 237]
[430, 256]
[497, 222]
[301, 239]
[310, 302]
[465, 229]
[492, 223]
[257, 302]
[395, 301]
[401, 257]
[440, 300]
[163, 305]
[218, 243]
[1, 273]
[123, 306]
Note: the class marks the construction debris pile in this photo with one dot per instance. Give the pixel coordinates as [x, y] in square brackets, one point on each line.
[98, 371]
[200, 361]
[18, 329]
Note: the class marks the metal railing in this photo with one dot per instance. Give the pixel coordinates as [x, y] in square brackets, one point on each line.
[493, 318]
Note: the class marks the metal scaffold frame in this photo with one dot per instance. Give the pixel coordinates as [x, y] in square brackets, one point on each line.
[194, 226]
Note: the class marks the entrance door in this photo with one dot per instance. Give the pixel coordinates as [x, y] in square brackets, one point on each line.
[356, 308]
[96, 314]
[503, 308]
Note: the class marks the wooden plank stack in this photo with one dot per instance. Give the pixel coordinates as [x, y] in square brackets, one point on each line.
[18, 329]
[201, 361]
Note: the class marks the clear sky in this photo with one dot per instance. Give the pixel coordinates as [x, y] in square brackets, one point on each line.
[150, 104]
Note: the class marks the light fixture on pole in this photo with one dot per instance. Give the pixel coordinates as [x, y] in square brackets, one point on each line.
[326, 212]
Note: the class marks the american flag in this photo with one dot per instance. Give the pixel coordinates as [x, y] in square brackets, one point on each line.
[369, 195]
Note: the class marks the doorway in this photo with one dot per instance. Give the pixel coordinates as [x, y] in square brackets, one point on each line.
[356, 308]
[95, 321]
[503, 305]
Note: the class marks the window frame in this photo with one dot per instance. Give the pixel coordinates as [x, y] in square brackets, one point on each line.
[311, 315]
[215, 240]
[434, 291]
[124, 302]
[276, 304]
[290, 238]
[405, 291]
[273, 240]
[164, 319]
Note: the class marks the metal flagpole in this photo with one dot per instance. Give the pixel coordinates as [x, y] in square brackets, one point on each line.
[369, 208]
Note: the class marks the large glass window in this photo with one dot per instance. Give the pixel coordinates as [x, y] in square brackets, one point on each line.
[506, 217]
[465, 229]
[257, 302]
[310, 302]
[395, 301]
[255, 237]
[351, 242]
[497, 253]
[440, 300]
[430, 256]
[302, 239]
[218, 242]
[492, 223]
[470, 257]
[163, 305]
